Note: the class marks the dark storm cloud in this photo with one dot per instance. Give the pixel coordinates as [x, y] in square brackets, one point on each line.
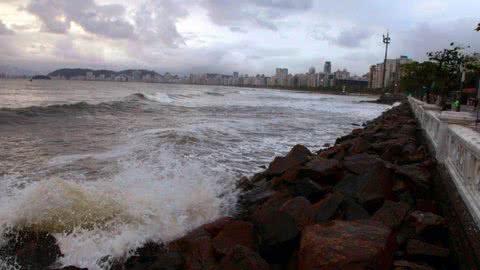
[4, 29]
[252, 13]
[349, 38]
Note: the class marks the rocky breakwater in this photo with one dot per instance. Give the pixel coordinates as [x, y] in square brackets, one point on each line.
[365, 203]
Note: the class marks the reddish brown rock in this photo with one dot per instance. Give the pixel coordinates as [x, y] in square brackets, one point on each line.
[360, 163]
[214, 227]
[392, 213]
[419, 248]
[234, 233]
[346, 245]
[326, 208]
[360, 145]
[426, 221]
[406, 265]
[308, 189]
[376, 187]
[418, 175]
[299, 154]
[352, 210]
[197, 249]
[301, 210]
[242, 258]
[324, 170]
[277, 234]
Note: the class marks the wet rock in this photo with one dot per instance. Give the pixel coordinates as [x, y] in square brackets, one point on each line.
[376, 187]
[360, 163]
[392, 214]
[417, 174]
[353, 211]
[277, 234]
[196, 248]
[242, 258]
[336, 152]
[299, 154]
[214, 227]
[350, 185]
[324, 171]
[346, 245]
[419, 248]
[30, 250]
[360, 145]
[406, 265]
[308, 189]
[426, 221]
[234, 233]
[152, 258]
[326, 208]
[301, 210]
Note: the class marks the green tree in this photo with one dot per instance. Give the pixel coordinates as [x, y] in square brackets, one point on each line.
[478, 28]
[448, 74]
[417, 77]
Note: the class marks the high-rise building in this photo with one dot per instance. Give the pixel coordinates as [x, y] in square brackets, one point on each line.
[327, 68]
[281, 72]
[392, 72]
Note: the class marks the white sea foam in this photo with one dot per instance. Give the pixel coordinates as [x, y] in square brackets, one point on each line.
[93, 220]
[160, 97]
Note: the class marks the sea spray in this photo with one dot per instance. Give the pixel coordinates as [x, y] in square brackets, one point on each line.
[97, 221]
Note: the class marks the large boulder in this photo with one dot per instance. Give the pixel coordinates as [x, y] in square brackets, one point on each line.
[308, 189]
[277, 234]
[419, 248]
[360, 163]
[30, 249]
[299, 154]
[323, 171]
[301, 210]
[234, 233]
[346, 245]
[326, 208]
[196, 248]
[242, 258]
[392, 213]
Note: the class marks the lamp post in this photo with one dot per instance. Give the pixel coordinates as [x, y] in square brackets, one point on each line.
[386, 40]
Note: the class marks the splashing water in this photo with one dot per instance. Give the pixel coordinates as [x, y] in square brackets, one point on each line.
[94, 220]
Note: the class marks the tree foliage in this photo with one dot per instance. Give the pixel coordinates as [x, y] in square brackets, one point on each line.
[478, 28]
[449, 68]
[417, 76]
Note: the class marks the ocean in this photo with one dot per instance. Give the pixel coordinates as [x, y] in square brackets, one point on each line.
[108, 166]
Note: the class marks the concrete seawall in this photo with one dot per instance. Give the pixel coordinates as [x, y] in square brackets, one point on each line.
[457, 182]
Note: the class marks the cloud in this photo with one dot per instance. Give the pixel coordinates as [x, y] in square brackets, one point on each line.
[349, 38]
[430, 36]
[4, 29]
[103, 20]
[252, 13]
[156, 19]
[153, 20]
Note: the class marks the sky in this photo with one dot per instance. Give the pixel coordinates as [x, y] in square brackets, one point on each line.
[222, 36]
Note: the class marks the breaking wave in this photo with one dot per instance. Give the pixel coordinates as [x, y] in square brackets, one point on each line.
[95, 222]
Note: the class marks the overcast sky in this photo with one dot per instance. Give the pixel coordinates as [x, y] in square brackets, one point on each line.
[250, 36]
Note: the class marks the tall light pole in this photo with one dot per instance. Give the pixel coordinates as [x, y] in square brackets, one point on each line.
[386, 40]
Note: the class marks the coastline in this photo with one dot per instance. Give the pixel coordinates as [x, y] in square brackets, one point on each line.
[366, 93]
[369, 194]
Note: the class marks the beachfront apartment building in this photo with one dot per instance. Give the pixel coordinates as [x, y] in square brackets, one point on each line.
[392, 72]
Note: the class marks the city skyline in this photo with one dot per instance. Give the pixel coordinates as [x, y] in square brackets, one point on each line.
[254, 36]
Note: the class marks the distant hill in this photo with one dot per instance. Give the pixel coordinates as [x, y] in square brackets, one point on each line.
[41, 77]
[68, 73]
